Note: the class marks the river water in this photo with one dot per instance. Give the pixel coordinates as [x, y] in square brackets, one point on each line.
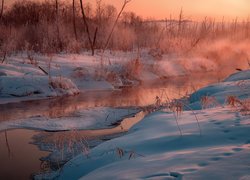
[20, 154]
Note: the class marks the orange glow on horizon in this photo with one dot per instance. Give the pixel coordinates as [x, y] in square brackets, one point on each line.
[192, 9]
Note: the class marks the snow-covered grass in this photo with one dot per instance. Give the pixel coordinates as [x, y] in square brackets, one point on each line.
[36, 86]
[154, 149]
[31, 76]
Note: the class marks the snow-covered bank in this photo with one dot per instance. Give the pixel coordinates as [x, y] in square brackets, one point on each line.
[154, 149]
[95, 118]
[38, 86]
[26, 76]
[158, 151]
[237, 85]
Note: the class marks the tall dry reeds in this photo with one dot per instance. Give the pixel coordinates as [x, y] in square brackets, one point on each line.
[48, 27]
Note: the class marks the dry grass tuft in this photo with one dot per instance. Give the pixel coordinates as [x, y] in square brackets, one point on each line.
[245, 107]
[67, 142]
[177, 109]
[242, 106]
[209, 102]
[130, 153]
[232, 101]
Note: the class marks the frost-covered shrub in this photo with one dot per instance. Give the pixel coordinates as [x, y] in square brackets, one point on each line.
[63, 85]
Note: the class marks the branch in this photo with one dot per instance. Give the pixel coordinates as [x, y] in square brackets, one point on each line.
[1, 12]
[113, 27]
[74, 18]
[87, 27]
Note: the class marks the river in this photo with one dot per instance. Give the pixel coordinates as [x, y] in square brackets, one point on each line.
[22, 155]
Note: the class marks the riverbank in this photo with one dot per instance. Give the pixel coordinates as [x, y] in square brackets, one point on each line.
[31, 76]
[170, 149]
[155, 149]
[54, 141]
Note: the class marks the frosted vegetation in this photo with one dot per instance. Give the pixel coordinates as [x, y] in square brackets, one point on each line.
[53, 49]
[217, 147]
[46, 29]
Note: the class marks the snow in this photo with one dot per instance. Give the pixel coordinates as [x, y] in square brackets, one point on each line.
[154, 148]
[37, 86]
[26, 76]
[237, 85]
[224, 141]
[94, 118]
[240, 76]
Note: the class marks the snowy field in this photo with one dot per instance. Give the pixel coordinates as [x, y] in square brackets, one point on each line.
[154, 148]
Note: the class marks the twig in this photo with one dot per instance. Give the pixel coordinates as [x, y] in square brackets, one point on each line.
[176, 119]
[4, 56]
[87, 28]
[194, 116]
[74, 18]
[7, 144]
[45, 72]
[114, 25]
[1, 12]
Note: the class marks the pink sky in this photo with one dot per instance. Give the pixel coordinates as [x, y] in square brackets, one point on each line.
[195, 9]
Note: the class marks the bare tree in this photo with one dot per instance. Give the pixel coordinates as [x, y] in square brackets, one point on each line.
[180, 21]
[74, 18]
[114, 25]
[99, 11]
[57, 25]
[91, 43]
[1, 12]
[1, 16]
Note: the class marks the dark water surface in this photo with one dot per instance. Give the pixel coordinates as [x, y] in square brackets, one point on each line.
[19, 158]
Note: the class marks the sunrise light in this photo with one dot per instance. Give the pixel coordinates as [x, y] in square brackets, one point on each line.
[125, 89]
[195, 9]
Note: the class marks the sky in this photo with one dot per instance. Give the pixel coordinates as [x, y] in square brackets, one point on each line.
[195, 9]
[192, 9]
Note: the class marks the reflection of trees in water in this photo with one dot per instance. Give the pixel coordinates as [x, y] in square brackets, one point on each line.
[60, 107]
[63, 146]
[136, 96]
[65, 106]
[7, 145]
[7, 140]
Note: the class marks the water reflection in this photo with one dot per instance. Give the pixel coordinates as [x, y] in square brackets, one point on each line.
[15, 145]
[19, 154]
[18, 157]
[138, 96]
[67, 144]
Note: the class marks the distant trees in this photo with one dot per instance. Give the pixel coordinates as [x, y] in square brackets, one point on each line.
[59, 42]
[52, 26]
[74, 18]
[29, 13]
[2, 7]
[101, 15]
[91, 42]
[115, 23]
